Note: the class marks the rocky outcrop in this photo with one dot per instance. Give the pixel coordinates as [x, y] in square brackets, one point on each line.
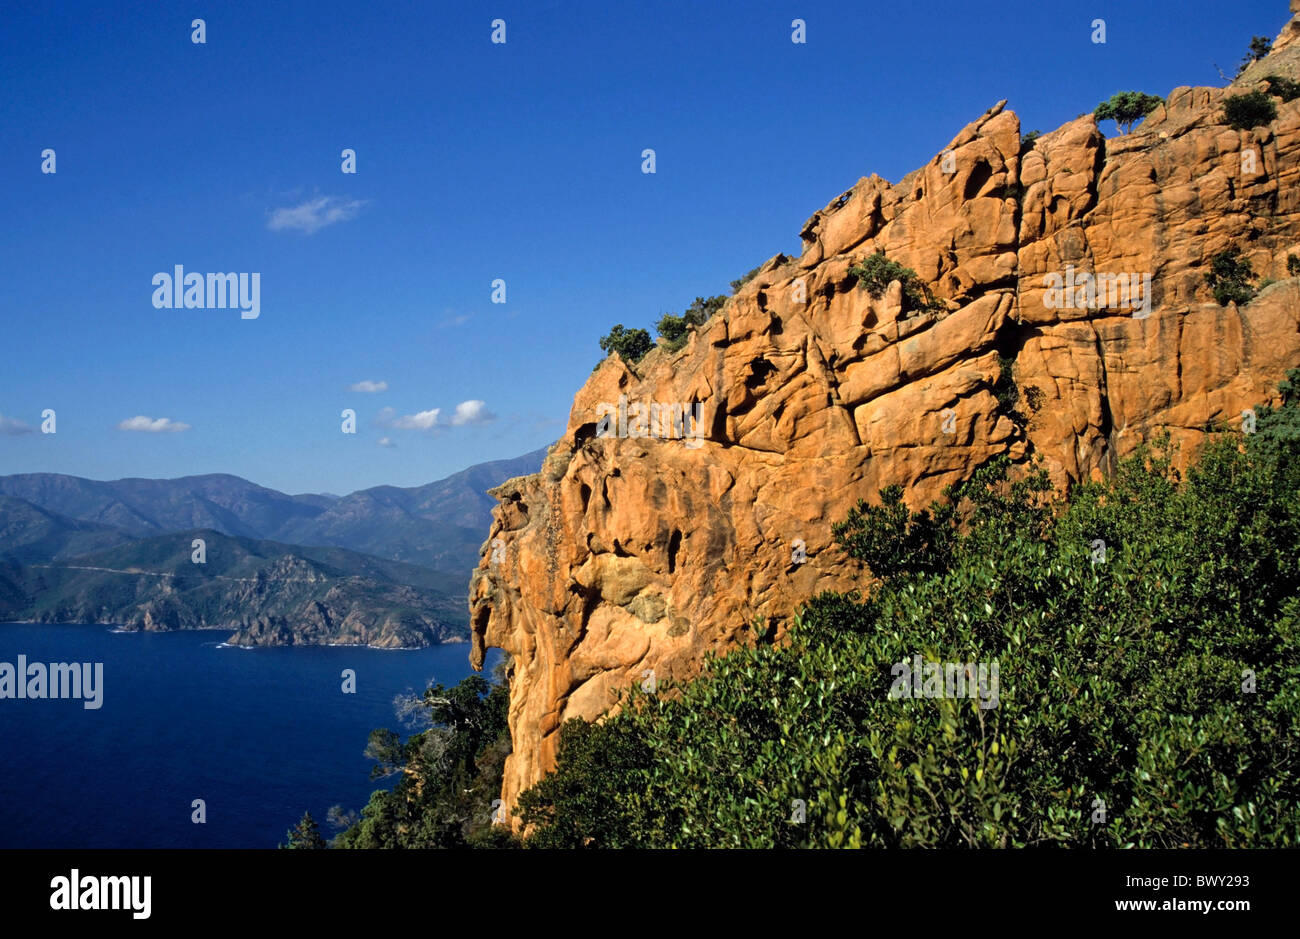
[640, 553]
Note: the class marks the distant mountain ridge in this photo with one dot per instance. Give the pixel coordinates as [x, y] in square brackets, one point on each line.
[31, 533]
[386, 566]
[439, 525]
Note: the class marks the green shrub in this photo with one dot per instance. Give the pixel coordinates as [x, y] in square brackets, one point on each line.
[1027, 140]
[1126, 108]
[1156, 678]
[1249, 110]
[876, 272]
[1004, 389]
[1293, 265]
[630, 344]
[891, 540]
[674, 328]
[1283, 88]
[1230, 278]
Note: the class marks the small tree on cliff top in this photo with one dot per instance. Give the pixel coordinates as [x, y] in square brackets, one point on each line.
[630, 344]
[1260, 46]
[1126, 108]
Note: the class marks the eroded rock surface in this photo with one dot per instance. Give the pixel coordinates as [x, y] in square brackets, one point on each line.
[630, 554]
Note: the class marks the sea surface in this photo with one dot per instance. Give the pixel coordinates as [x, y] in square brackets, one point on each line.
[259, 734]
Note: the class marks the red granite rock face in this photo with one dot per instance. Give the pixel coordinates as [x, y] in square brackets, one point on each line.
[643, 552]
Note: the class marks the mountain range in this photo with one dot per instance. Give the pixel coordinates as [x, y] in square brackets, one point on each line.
[386, 566]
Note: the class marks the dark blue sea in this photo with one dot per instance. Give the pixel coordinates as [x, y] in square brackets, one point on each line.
[260, 735]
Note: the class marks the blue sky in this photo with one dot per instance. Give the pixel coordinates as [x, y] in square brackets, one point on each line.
[475, 161]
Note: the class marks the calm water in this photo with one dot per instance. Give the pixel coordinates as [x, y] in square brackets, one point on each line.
[260, 735]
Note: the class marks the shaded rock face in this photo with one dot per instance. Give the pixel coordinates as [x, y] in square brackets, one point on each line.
[634, 553]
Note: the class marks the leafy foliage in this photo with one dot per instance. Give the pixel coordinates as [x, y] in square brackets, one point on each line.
[1293, 265]
[1253, 109]
[674, 328]
[1126, 108]
[630, 344]
[1231, 278]
[1150, 698]
[892, 539]
[876, 272]
[1283, 88]
[450, 774]
[1005, 390]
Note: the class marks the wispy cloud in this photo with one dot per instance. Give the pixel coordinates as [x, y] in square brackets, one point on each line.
[311, 216]
[153, 425]
[386, 442]
[369, 387]
[467, 412]
[459, 320]
[12, 427]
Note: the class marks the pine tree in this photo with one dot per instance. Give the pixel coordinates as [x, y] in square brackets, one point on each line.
[306, 834]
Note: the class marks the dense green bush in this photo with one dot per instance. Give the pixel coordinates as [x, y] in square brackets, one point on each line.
[1148, 639]
[630, 344]
[450, 774]
[1249, 110]
[1231, 277]
[674, 328]
[1283, 88]
[1293, 265]
[1126, 108]
[875, 273]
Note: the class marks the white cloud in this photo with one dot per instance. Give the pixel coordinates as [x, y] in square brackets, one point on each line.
[12, 427]
[153, 425]
[314, 214]
[424, 420]
[386, 442]
[472, 412]
[369, 387]
[467, 412]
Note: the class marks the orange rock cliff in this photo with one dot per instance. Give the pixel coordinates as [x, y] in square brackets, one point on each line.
[627, 554]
